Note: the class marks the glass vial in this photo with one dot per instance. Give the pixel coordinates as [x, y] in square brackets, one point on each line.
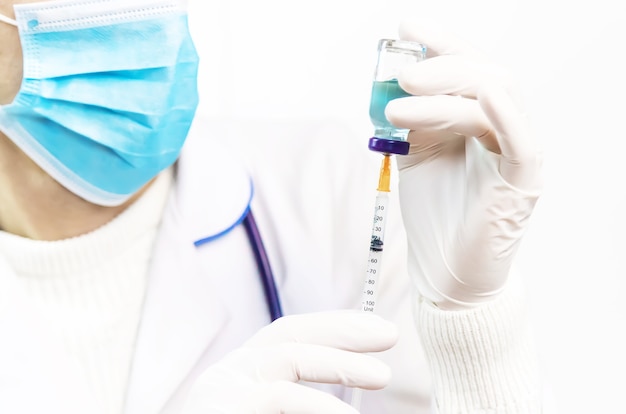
[393, 55]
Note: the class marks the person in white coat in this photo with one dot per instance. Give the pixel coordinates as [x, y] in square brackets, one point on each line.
[155, 262]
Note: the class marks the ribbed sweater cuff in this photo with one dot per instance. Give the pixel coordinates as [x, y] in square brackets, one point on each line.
[482, 360]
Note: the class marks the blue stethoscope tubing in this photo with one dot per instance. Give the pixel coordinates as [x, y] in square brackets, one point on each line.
[263, 264]
[266, 274]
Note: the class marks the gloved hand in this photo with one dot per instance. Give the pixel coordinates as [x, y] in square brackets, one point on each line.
[262, 376]
[471, 180]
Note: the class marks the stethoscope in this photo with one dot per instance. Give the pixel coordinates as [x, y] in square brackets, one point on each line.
[263, 264]
[262, 261]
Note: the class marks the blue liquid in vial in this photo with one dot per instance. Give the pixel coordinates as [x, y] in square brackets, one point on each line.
[382, 93]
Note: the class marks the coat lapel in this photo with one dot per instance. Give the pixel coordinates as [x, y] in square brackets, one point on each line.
[182, 315]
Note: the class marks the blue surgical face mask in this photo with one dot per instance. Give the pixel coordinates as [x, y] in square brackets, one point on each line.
[108, 95]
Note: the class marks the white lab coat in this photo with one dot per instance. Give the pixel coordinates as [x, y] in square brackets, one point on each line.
[313, 188]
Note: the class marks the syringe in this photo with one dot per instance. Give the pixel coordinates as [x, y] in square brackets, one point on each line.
[374, 260]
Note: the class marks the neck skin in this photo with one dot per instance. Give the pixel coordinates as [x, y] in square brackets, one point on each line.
[34, 205]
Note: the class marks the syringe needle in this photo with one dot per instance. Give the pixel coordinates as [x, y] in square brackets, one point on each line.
[370, 290]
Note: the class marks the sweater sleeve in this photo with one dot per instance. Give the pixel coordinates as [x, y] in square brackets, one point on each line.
[482, 360]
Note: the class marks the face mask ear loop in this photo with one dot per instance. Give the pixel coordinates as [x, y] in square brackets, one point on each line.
[8, 20]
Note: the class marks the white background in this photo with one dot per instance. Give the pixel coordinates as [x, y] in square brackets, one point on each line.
[309, 59]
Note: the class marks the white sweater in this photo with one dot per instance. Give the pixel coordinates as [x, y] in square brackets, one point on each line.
[90, 289]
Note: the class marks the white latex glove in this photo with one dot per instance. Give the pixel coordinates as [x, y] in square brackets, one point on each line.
[262, 376]
[471, 180]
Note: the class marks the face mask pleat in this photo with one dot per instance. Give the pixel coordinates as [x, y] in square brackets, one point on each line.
[128, 133]
[75, 153]
[130, 46]
[100, 90]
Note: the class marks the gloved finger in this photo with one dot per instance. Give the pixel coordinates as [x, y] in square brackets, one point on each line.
[450, 75]
[521, 161]
[438, 42]
[316, 363]
[451, 114]
[349, 330]
[454, 66]
[289, 398]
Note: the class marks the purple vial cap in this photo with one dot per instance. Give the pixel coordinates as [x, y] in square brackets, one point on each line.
[389, 146]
